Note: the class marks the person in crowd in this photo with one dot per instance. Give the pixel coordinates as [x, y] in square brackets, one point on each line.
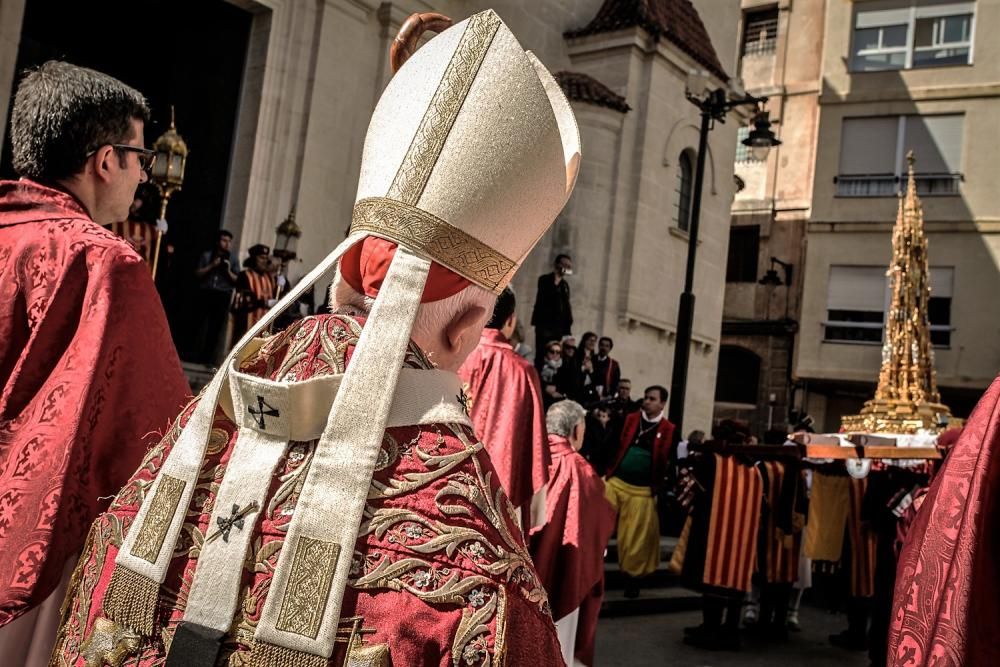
[621, 403]
[602, 438]
[607, 372]
[568, 377]
[550, 373]
[508, 411]
[637, 472]
[256, 288]
[216, 284]
[88, 370]
[552, 315]
[586, 390]
[696, 437]
[568, 548]
[138, 232]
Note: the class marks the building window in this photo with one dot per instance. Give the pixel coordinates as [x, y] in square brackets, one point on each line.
[683, 190]
[760, 31]
[921, 35]
[738, 377]
[873, 155]
[858, 297]
[744, 249]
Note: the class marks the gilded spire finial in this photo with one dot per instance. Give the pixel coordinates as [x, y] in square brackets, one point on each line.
[907, 396]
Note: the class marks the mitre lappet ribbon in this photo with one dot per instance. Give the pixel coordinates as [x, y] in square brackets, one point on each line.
[143, 559]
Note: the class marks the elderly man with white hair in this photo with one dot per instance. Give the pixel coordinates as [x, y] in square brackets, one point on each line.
[568, 549]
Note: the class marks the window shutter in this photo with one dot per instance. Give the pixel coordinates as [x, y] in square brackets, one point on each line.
[857, 288]
[936, 142]
[942, 281]
[882, 17]
[868, 145]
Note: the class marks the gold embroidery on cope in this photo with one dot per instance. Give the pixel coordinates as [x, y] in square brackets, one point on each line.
[108, 643]
[161, 510]
[428, 234]
[360, 654]
[308, 587]
[423, 153]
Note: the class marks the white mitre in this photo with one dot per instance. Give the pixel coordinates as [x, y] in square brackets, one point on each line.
[472, 152]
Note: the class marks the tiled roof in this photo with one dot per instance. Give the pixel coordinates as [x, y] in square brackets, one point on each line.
[674, 20]
[585, 88]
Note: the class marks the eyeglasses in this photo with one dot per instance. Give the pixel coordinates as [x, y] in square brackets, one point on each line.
[555, 350]
[146, 156]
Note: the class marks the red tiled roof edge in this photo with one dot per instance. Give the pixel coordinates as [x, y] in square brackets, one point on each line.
[675, 20]
[585, 88]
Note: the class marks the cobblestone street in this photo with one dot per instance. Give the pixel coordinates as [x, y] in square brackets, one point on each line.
[655, 641]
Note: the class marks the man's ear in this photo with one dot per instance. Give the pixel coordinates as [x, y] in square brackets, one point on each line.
[461, 326]
[101, 162]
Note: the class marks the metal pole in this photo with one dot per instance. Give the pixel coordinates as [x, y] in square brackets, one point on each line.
[685, 310]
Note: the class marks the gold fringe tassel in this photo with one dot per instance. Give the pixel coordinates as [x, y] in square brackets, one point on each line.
[271, 655]
[131, 601]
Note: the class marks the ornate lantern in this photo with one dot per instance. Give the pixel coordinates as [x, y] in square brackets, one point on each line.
[761, 139]
[168, 172]
[287, 239]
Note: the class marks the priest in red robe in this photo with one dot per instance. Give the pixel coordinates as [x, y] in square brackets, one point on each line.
[568, 549]
[508, 413]
[946, 607]
[87, 367]
[325, 502]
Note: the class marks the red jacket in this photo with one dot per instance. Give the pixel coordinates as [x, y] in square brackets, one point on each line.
[661, 447]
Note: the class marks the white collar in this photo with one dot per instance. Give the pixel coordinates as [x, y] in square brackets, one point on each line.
[656, 418]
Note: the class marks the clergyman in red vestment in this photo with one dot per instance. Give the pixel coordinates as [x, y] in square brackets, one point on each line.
[325, 502]
[946, 608]
[568, 549]
[87, 366]
[508, 413]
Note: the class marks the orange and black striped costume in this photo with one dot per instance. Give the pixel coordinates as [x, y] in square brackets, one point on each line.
[780, 544]
[721, 553]
[140, 235]
[253, 291]
[863, 542]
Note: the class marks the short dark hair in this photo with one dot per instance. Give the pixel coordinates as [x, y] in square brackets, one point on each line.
[503, 309]
[663, 391]
[62, 112]
[224, 232]
[562, 255]
[624, 380]
[606, 338]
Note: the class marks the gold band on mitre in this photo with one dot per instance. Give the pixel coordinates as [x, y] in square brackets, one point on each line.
[432, 237]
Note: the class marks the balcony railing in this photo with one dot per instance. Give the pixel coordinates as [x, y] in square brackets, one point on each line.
[889, 185]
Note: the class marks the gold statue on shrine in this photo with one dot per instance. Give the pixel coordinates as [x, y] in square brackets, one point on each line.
[907, 398]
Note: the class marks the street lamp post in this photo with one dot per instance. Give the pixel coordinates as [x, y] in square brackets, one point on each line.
[714, 107]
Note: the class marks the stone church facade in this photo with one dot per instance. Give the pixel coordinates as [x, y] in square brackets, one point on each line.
[314, 70]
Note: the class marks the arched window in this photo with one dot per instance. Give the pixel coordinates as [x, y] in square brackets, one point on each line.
[682, 191]
[738, 376]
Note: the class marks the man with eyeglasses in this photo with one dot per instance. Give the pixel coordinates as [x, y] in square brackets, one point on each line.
[87, 367]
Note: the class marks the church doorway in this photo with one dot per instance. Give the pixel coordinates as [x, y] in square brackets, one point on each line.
[189, 54]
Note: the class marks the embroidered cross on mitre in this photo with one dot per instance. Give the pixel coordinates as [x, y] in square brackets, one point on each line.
[264, 409]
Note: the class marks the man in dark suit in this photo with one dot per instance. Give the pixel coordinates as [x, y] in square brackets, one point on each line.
[552, 316]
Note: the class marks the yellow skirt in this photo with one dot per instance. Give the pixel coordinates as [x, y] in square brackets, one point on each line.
[638, 527]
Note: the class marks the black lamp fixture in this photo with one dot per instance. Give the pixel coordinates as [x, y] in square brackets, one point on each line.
[771, 277]
[713, 104]
[761, 139]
